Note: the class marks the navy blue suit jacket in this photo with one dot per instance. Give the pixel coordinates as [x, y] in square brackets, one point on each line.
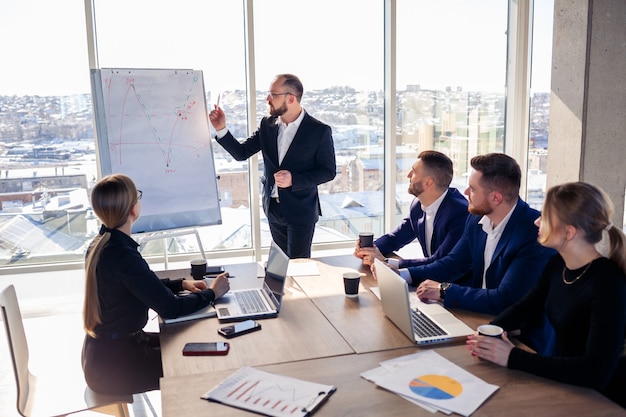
[310, 159]
[515, 267]
[448, 227]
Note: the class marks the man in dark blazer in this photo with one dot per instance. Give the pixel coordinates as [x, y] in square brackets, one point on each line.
[298, 155]
[436, 207]
[499, 246]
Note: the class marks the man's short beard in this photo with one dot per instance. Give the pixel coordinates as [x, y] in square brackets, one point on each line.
[480, 211]
[416, 189]
[274, 111]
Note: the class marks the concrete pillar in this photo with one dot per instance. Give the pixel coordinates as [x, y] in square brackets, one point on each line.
[587, 134]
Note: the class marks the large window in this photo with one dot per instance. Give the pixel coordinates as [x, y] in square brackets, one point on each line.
[539, 102]
[450, 70]
[338, 55]
[47, 155]
[201, 35]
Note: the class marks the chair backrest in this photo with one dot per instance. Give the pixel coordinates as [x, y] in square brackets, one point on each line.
[18, 346]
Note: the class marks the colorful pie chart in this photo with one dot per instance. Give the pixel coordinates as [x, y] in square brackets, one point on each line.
[436, 387]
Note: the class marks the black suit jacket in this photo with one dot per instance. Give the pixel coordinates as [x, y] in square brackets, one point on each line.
[310, 159]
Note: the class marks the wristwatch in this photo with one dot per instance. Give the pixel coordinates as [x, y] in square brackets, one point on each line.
[443, 287]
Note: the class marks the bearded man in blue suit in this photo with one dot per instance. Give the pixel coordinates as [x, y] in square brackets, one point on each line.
[436, 216]
[298, 155]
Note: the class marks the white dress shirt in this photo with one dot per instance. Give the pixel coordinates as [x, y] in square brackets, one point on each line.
[431, 212]
[493, 237]
[286, 133]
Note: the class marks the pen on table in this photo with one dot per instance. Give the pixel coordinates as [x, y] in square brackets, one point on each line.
[215, 276]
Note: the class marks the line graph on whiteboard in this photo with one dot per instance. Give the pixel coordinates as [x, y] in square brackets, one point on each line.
[164, 122]
[152, 125]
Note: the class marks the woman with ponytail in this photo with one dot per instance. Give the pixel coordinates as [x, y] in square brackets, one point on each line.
[582, 292]
[118, 356]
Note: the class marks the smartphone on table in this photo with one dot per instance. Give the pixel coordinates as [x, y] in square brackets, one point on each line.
[214, 270]
[237, 329]
[206, 348]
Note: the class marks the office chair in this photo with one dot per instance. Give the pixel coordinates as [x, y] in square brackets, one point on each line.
[38, 397]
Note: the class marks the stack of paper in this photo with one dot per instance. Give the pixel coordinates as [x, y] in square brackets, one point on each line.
[432, 382]
[301, 267]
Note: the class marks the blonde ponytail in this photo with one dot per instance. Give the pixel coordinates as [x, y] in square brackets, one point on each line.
[91, 307]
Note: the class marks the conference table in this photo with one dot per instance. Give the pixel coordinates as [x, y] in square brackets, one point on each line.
[323, 336]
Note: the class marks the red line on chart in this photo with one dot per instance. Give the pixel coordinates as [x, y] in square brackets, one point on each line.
[247, 390]
[182, 113]
[235, 390]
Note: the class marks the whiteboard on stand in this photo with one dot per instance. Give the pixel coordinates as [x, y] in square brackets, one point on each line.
[152, 125]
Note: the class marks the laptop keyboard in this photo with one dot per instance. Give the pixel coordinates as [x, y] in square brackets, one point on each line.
[424, 326]
[250, 302]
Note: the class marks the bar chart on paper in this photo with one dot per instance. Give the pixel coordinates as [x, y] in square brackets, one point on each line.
[269, 394]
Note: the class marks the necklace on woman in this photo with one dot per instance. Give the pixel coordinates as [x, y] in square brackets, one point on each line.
[566, 282]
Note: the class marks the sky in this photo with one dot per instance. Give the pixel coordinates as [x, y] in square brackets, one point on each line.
[440, 43]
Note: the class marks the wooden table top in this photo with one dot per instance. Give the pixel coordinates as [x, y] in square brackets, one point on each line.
[300, 332]
[520, 394]
[323, 336]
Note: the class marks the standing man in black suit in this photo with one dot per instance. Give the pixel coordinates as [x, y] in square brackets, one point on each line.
[298, 155]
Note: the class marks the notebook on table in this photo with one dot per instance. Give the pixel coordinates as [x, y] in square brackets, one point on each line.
[423, 323]
[257, 303]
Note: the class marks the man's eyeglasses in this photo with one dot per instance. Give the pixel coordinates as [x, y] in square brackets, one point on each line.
[274, 95]
[139, 194]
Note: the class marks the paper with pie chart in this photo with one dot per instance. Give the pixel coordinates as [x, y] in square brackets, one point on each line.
[433, 382]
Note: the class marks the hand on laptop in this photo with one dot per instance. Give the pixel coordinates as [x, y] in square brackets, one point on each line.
[220, 285]
[373, 269]
[428, 290]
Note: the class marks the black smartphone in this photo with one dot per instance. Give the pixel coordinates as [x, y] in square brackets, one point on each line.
[240, 328]
[208, 348]
[214, 270]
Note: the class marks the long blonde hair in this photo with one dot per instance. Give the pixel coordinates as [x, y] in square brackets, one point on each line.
[588, 209]
[112, 200]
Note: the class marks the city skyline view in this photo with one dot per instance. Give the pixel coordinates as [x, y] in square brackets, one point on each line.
[48, 145]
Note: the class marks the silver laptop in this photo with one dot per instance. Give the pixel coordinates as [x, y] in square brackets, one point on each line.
[258, 303]
[421, 322]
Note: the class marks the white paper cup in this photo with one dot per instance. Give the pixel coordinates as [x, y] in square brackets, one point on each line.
[490, 330]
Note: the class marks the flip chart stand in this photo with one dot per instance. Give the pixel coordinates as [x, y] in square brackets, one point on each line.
[166, 234]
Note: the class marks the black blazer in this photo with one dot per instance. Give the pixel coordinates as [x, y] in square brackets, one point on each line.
[310, 159]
